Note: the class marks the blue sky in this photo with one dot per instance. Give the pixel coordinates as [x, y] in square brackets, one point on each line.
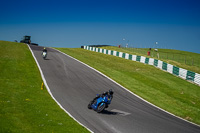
[174, 24]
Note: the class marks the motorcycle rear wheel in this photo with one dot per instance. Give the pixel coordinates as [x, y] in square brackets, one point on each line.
[89, 105]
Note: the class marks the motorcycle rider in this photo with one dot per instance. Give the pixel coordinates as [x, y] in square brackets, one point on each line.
[43, 53]
[45, 50]
[109, 93]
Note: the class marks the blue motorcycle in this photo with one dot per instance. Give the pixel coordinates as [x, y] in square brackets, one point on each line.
[100, 103]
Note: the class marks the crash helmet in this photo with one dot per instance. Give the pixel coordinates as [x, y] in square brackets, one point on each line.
[110, 92]
[44, 48]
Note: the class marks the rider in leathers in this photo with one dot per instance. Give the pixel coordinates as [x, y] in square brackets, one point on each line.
[109, 93]
[45, 50]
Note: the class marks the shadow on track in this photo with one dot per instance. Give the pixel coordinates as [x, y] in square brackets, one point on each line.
[106, 112]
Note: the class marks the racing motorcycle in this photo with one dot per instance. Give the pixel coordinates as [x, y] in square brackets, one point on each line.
[44, 55]
[100, 103]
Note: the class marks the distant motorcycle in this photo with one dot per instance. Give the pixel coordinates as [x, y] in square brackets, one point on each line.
[100, 103]
[44, 55]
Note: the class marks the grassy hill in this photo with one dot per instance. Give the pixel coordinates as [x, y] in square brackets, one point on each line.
[24, 107]
[187, 60]
[156, 86]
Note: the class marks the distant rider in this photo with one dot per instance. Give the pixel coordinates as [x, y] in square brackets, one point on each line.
[45, 50]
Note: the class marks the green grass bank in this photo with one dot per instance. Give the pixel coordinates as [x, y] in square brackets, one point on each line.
[156, 86]
[24, 107]
[183, 59]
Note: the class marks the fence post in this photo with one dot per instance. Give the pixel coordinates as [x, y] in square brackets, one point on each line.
[185, 59]
[193, 61]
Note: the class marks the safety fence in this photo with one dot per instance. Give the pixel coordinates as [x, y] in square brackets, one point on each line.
[178, 57]
[180, 72]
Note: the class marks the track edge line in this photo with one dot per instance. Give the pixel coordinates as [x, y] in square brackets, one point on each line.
[45, 83]
[129, 90]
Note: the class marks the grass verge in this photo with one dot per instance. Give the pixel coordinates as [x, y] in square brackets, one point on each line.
[158, 87]
[24, 107]
[177, 58]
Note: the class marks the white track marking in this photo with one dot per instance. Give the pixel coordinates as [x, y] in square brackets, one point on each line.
[45, 83]
[128, 90]
[120, 112]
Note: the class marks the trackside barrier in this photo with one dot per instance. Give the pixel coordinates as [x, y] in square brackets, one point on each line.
[180, 72]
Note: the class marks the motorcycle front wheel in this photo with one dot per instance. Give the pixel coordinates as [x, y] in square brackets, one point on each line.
[101, 107]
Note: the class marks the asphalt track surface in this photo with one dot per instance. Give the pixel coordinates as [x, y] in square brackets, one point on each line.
[74, 85]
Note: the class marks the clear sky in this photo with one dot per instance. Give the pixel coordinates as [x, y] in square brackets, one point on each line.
[174, 24]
